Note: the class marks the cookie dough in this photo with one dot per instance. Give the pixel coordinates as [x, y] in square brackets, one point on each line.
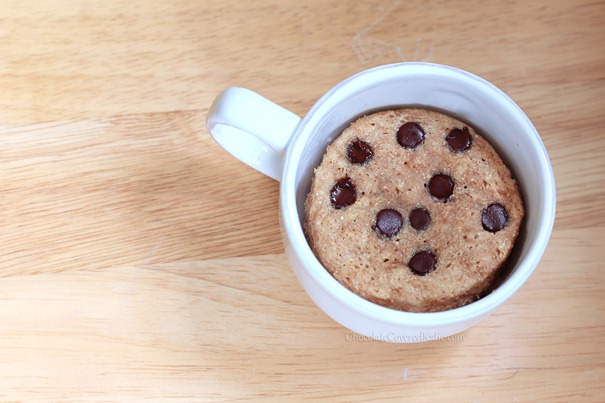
[412, 209]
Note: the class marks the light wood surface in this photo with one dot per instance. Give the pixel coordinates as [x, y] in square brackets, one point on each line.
[139, 261]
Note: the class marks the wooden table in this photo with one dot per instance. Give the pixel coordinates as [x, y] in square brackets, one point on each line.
[138, 260]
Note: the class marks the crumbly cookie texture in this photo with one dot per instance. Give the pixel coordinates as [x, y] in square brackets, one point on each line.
[413, 210]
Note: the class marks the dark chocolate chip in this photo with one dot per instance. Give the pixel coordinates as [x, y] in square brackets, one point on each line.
[494, 217]
[420, 218]
[410, 135]
[359, 152]
[388, 222]
[343, 193]
[441, 186]
[422, 262]
[459, 140]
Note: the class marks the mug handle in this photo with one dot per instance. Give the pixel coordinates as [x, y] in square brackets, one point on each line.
[252, 128]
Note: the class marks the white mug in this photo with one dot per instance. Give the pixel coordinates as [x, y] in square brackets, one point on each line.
[279, 144]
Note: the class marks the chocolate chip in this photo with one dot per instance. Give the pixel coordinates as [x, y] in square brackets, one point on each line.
[410, 135]
[359, 152]
[441, 186]
[494, 217]
[420, 218]
[388, 222]
[343, 193]
[422, 262]
[459, 139]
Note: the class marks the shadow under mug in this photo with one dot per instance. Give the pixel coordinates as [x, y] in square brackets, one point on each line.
[279, 144]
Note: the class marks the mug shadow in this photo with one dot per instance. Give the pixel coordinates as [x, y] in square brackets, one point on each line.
[184, 198]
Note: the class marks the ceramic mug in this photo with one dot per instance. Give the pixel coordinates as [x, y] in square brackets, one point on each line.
[279, 144]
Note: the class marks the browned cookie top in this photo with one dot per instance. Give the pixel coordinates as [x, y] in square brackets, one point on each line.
[413, 210]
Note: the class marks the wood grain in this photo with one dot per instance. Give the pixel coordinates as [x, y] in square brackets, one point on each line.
[138, 260]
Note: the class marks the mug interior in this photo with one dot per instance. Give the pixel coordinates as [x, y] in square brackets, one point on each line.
[456, 93]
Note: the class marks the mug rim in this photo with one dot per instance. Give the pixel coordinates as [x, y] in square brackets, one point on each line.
[295, 234]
